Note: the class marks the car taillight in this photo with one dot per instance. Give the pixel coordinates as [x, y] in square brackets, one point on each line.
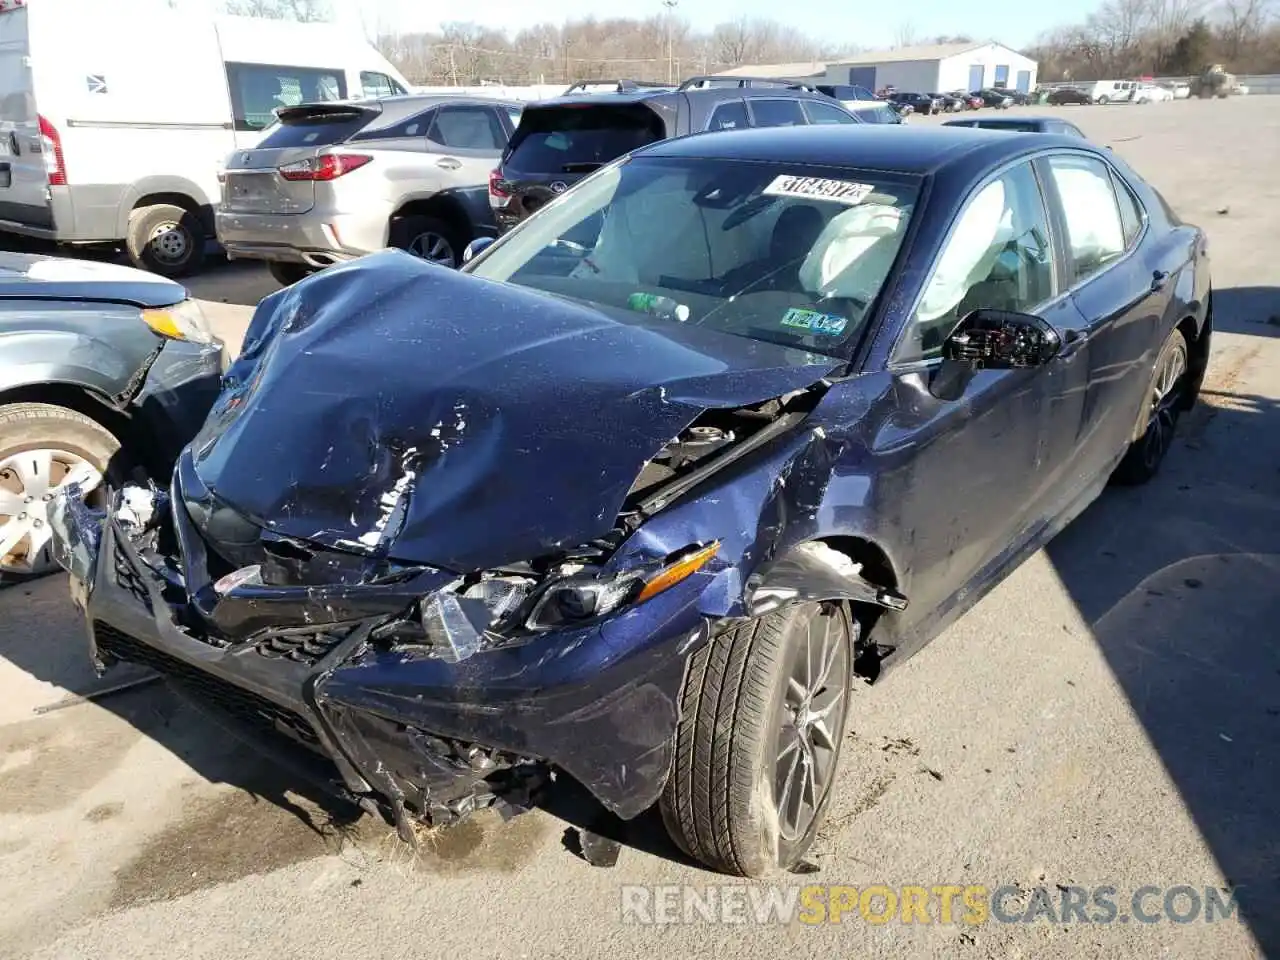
[55, 164]
[498, 196]
[327, 167]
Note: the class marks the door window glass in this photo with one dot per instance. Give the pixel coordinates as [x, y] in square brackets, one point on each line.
[1095, 231]
[376, 85]
[997, 256]
[826, 113]
[731, 115]
[777, 113]
[468, 128]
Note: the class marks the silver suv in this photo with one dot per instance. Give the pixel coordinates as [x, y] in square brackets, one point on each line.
[333, 181]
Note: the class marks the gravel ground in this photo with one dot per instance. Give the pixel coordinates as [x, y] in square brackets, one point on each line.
[1107, 716]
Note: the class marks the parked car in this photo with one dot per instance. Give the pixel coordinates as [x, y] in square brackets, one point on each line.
[997, 99]
[949, 102]
[558, 142]
[1019, 98]
[1067, 95]
[334, 181]
[104, 370]
[1021, 124]
[100, 150]
[1180, 89]
[971, 101]
[1150, 93]
[642, 506]
[921, 103]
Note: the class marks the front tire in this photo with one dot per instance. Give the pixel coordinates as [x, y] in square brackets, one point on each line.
[1153, 434]
[165, 239]
[44, 448]
[762, 719]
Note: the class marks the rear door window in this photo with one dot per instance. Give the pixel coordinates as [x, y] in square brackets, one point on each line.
[826, 113]
[258, 89]
[468, 128]
[777, 113]
[578, 139]
[730, 115]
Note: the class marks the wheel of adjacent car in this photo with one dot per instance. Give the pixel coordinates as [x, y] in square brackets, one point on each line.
[165, 239]
[1104, 100]
[430, 238]
[1153, 434]
[44, 448]
[287, 274]
[762, 718]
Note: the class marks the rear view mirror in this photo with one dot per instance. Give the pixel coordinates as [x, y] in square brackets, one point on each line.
[1001, 340]
[478, 245]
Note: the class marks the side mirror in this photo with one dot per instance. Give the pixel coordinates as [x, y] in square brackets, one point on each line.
[1001, 340]
[476, 246]
[992, 340]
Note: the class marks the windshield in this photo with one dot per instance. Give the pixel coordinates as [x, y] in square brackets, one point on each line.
[783, 253]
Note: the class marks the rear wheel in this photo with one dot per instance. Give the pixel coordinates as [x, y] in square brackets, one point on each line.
[763, 712]
[431, 238]
[45, 449]
[287, 274]
[165, 239]
[1154, 432]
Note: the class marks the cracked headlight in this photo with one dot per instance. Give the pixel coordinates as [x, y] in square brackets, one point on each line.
[181, 321]
[579, 598]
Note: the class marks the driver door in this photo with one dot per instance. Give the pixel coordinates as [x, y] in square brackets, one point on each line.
[971, 483]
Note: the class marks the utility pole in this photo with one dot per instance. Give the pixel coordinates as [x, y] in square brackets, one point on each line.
[671, 13]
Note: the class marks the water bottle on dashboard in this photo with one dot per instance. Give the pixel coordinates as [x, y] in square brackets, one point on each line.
[654, 305]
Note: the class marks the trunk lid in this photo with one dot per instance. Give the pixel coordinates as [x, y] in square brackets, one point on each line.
[252, 181]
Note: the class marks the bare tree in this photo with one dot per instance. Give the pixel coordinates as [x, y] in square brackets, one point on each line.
[303, 11]
[906, 35]
[1242, 23]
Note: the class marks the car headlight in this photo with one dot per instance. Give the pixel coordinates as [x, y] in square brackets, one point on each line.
[182, 321]
[579, 598]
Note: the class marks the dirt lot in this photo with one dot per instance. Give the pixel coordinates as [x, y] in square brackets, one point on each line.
[1108, 716]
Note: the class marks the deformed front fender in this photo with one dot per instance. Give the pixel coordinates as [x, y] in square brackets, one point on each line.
[815, 571]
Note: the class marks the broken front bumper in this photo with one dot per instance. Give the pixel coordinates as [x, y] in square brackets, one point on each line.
[433, 739]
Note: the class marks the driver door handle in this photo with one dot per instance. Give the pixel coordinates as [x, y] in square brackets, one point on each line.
[1158, 279]
[448, 163]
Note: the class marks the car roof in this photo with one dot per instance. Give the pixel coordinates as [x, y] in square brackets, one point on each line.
[918, 150]
[669, 96]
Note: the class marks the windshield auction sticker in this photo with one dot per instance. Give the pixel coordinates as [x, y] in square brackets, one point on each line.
[818, 188]
[824, 324]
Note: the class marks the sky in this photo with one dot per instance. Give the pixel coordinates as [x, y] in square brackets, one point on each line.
[869, 25]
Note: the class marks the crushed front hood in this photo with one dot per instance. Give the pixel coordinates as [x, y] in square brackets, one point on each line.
[458, 422]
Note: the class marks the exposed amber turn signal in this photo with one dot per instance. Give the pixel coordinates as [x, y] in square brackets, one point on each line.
[669, 576]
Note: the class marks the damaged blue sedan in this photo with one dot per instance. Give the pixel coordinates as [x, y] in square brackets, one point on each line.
[648, 489]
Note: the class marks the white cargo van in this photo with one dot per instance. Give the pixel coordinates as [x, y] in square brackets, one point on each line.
[117, 115]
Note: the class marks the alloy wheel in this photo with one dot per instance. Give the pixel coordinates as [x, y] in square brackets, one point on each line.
[433, 247]
[1162, 415]
[813, 716]
[29, 481]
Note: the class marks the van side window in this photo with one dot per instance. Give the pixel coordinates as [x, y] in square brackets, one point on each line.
[374, 85]
[258, 89]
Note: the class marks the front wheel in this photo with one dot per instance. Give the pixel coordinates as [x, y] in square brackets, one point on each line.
[762, 718]
[1153, 434]
[43, 450]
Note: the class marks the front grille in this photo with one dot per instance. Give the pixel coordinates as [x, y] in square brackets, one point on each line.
[243, 705]
[307, 645]
[129, 578]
